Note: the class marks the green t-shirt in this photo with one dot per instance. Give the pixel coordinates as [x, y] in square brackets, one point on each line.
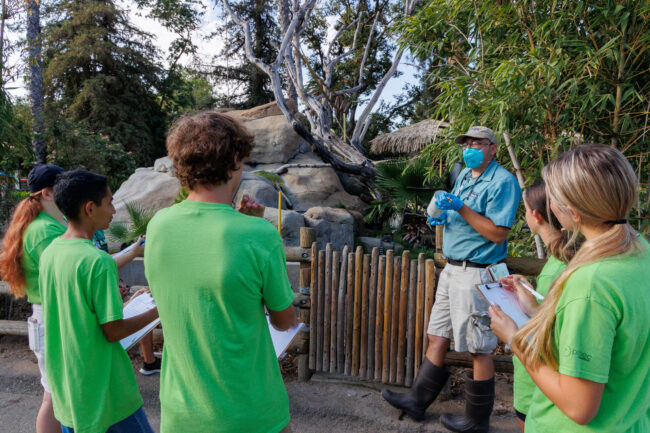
[602, 334]
[211, 271]
[523, 385]
[40, 232]
[92, 380]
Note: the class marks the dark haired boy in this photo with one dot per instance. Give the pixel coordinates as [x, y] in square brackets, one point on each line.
[212, 270]
[91, 378]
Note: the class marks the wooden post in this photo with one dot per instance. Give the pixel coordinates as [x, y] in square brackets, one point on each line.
[403, 309]
[372, 313]
[394, 321]
[363, 349]
[327, 307]
[410, 323]
[420, 327]
[356, 331]
[379, 326]
[349, 315]
[321, 302]
[388, 302]
[307, 236]
[313, 307]
[429, 296]
[439, 231]
[336, 257]
[340, 313]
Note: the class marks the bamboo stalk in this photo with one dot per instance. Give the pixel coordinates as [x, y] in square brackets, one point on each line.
[321, 302]
[336, 257]
[403, 308]
[410, 323]
[313, 306]
[363, 349]
[327, 307]
[419, 315]
[372, 313]
[388, 299]
[394, 321]
[379, 325]
[429, 295]
[356, 327]
[349, 315]
[340, 313]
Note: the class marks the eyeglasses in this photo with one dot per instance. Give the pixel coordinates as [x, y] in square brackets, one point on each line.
[475, 143]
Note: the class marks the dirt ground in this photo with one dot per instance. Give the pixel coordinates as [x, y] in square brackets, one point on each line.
[321, 405]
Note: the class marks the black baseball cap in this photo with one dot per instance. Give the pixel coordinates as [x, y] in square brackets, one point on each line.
[43, 176]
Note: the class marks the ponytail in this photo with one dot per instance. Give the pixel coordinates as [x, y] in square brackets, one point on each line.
[11, 258]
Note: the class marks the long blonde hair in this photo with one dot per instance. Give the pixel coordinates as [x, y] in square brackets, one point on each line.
[599, 184]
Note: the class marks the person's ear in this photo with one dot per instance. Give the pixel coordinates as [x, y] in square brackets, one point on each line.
[47, 194]
[89, 208]
[539, 219]
[575, 216]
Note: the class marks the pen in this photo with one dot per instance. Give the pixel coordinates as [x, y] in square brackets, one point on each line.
[531, 290]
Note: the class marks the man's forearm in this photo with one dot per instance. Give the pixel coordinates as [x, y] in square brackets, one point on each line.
[484, 226]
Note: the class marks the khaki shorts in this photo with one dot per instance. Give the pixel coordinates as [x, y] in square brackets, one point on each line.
[460, 312]
[36, 336]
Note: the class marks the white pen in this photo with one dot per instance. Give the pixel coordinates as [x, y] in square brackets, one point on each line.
[531, 290]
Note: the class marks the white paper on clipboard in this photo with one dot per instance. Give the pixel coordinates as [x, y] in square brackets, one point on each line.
[495, 293]
[137, 306]
[282, 339]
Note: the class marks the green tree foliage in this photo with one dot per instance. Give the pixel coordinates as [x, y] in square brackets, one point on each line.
[246, 85]
[101, 74]
[139, 217]
[549, 73]
[16, 153]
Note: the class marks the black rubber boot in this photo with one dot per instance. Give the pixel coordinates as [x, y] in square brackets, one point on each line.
[479, 400]
[425, 389]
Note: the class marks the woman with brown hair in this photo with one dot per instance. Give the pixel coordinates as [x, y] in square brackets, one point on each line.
[35, 223]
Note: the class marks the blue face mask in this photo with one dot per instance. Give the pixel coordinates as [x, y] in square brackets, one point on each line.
[473, 157]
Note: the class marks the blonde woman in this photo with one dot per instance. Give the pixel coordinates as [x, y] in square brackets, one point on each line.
[588, 348]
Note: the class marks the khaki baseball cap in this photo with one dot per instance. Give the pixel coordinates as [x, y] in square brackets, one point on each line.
[477, 132]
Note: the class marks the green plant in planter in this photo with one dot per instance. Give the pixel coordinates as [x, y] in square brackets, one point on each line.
[139, 217]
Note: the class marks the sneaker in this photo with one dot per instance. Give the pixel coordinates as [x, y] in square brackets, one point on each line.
[150, 368]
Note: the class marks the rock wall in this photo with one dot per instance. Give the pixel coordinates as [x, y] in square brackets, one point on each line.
[315, 192]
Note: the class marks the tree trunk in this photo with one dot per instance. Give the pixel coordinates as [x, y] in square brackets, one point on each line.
[36, 79]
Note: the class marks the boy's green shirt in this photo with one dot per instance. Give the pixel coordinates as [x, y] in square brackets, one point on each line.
[92, 381]
[39, 234]
[523, 385]
[212, 270]
[602, 334]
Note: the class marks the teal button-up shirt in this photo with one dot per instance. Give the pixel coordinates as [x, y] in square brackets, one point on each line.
[495, 194]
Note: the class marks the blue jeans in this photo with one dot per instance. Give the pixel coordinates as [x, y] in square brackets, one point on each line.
[137, 422]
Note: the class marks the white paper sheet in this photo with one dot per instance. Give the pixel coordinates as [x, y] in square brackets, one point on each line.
[137, 306]
[282, 339]
[496, 294]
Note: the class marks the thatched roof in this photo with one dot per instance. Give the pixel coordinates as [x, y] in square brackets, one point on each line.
[409, 139]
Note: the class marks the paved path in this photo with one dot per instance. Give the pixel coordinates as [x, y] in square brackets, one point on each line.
[316, 406]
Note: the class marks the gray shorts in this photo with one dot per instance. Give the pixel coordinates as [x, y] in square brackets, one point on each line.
[36, 338]
[461, 312]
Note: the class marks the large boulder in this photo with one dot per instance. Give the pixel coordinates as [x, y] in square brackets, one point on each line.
[148, 188]
[275, 140]
[370, 243]
[333, 225]
[259, 189]
[291, 223]
[312, 187]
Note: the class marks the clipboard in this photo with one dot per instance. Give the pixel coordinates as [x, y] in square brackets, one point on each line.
[282, 339]
[495, 293]
[140, 304]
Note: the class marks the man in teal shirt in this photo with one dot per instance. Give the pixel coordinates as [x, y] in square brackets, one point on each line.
[477, 218]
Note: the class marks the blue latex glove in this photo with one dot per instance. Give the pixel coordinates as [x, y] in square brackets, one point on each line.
[438, 221]
[449, 201]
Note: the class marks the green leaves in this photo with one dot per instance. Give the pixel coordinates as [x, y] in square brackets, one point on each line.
[139, 217]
